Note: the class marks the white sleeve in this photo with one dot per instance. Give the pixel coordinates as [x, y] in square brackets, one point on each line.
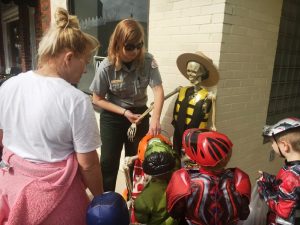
[85, 130]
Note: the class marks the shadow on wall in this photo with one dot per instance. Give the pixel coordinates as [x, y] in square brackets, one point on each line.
[167, 116]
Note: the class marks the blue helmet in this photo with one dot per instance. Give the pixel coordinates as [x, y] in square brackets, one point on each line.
[110, 208]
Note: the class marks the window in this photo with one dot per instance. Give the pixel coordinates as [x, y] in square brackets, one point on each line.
[19, 43]
[285, 89]
[99, 18]
[11, 38]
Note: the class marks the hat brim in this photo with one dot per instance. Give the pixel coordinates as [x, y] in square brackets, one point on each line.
[213, 77]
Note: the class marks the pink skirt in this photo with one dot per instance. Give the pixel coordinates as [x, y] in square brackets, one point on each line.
[47, 194]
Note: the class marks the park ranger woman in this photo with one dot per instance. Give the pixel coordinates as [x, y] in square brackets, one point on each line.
[120, 90]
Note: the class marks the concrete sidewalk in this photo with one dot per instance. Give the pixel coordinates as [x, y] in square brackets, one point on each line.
[121, 183]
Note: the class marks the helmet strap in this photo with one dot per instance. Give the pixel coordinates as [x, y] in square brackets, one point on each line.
[278, 146]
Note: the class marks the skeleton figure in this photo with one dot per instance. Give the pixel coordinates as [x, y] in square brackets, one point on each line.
[194, 103]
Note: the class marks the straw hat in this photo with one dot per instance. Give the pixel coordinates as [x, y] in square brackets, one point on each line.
[199, 57]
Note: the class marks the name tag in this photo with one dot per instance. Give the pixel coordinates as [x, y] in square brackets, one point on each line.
[116, 81]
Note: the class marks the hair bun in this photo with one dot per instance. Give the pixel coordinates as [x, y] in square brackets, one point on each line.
[64, 20]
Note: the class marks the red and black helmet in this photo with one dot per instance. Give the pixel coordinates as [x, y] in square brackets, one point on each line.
[206, 148]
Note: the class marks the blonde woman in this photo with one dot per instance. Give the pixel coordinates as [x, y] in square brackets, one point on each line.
[49, 133]
[120, 90]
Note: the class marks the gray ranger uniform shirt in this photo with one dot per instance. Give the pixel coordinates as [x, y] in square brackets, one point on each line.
[126, 87]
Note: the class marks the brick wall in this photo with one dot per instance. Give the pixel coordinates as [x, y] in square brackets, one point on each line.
[178, 26]
[42, 18]
[24, 37]
[246, 64]
[42, 22]
[240, 37]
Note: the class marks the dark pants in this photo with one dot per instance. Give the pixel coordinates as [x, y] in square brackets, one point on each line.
[113, 132]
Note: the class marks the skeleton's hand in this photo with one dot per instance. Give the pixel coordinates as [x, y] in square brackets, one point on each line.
[213, 128]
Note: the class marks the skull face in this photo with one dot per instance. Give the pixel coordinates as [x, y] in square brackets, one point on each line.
[195, 71]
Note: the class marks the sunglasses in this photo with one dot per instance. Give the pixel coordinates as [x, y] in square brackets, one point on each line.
[131, 47]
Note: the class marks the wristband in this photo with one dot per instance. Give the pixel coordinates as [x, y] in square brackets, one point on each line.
[124, 112]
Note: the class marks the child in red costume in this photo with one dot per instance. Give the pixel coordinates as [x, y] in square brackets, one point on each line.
[214, 195]
[282, 192]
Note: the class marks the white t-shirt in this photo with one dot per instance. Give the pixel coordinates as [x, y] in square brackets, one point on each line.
[45, 119]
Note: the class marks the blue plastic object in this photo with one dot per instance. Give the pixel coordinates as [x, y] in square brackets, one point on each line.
[110, 208]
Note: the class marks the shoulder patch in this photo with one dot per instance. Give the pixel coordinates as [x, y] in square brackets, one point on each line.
[154, 63]
[103, 64]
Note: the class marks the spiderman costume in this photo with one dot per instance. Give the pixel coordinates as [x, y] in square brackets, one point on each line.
[282, 193]
[209, 198]
[212, 195]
